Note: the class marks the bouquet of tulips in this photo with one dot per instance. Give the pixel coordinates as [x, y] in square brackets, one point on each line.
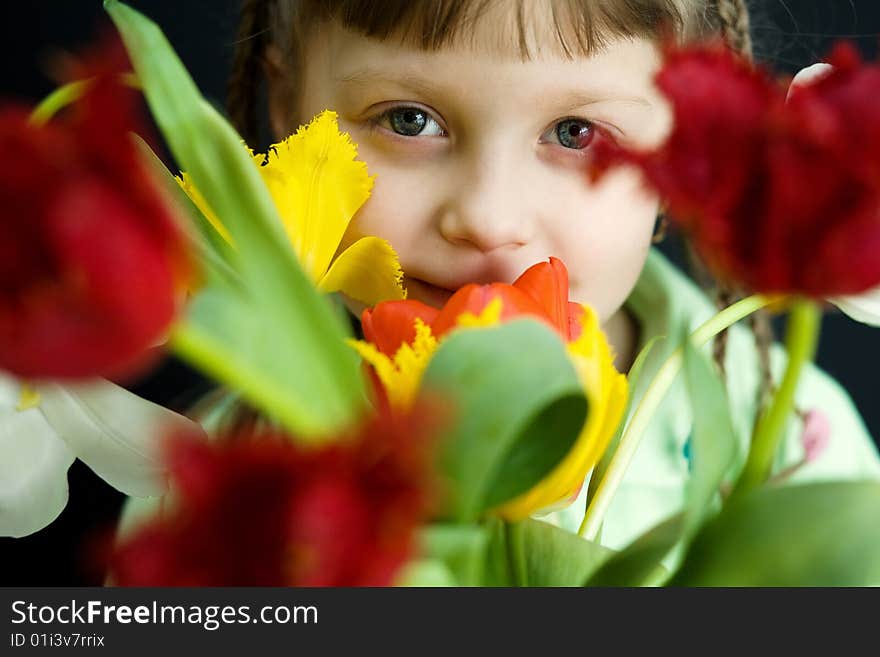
[425, 452]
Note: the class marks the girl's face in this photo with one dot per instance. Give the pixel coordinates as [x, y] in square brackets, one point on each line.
[480, 157]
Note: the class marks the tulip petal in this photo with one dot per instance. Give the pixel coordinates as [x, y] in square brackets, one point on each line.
[606, 389]
[864, 308]
[115, 432]
[317, 185]
[471, 302]
[367, 271]
[547, 283]
[33, 467]
[807, 76]
[392, 323]
[401, 375]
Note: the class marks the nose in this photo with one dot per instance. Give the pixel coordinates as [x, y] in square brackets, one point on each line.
[488, 209]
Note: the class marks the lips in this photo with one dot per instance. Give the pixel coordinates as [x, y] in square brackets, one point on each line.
[437, 295]
[428, 293]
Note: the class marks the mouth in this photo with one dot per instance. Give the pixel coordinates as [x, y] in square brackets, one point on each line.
[428, 293]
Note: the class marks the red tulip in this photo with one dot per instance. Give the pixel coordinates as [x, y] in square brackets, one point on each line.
[265, 511]
[392, 323]
[473, 299]
[91, 260]
[780, 198]
[540, 292]
[395, 358]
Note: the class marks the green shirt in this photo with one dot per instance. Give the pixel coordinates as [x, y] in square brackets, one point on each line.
[666, 302]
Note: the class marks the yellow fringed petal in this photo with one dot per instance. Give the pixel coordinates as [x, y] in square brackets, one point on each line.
[401, 376]
[199, 201]
[368, 271]
[317, 186]
[606, 391]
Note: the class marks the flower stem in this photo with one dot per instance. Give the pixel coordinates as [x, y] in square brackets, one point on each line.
[801, 338]
[516, 550]
[59, 98]
[655, 393]
[65, 95]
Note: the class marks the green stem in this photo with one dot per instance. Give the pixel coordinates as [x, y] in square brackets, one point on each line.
[56, 100]
[65, 95]
[652, 398]
[516, 550]
[801, 338]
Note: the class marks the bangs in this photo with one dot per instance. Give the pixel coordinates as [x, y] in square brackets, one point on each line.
[518, 27]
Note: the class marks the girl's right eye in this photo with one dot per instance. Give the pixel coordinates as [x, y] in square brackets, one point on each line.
[410, 122]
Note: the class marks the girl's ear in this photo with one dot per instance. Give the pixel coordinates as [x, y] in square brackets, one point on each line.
[279, 92]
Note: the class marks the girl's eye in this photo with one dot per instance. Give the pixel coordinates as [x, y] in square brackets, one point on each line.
[571, 133]
[411, 122]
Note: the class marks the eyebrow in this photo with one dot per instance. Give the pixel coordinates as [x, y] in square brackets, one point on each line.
[367, 76]
[568, 99]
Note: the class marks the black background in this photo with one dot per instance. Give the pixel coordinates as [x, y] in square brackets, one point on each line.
[788, 35]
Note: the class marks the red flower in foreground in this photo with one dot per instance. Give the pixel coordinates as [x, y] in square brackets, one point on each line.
[90, 257]
[263, 511]
[778, 197]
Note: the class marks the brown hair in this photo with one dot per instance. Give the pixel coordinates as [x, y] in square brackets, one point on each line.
[582, 27]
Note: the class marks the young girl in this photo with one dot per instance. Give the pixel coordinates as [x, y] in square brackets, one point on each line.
[477, 118]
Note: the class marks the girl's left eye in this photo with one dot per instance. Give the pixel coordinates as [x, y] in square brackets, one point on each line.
[575, 134]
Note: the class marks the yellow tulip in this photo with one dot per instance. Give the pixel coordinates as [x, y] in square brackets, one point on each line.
[606, 391]
[318, 185]
[400, 368]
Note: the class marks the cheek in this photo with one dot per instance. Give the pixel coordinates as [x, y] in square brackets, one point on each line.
[399, 208]
[606, 245]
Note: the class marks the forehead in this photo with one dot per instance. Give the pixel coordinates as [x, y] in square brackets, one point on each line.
[622, 67]
[513, 29]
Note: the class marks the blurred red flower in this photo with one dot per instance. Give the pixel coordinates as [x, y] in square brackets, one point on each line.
[261, 510]
[780, 198]
[90, 256]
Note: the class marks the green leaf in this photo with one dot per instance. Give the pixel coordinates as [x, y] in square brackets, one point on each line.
[640, 562]
[299, 369]
[461, 548]
[552, 556]
[519, 409]
[555, 557]
[632, 379]
[498, 569]
[543, 442]
[713, 439]
[713, 445]
[819, 534]
[423, 573]
[213, 252]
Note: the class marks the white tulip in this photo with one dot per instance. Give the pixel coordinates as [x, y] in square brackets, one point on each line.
[863, 307]
[808, 75]
[113, 431]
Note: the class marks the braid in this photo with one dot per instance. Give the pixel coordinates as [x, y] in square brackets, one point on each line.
[244, 81]
[733, 23]
[733, 19]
